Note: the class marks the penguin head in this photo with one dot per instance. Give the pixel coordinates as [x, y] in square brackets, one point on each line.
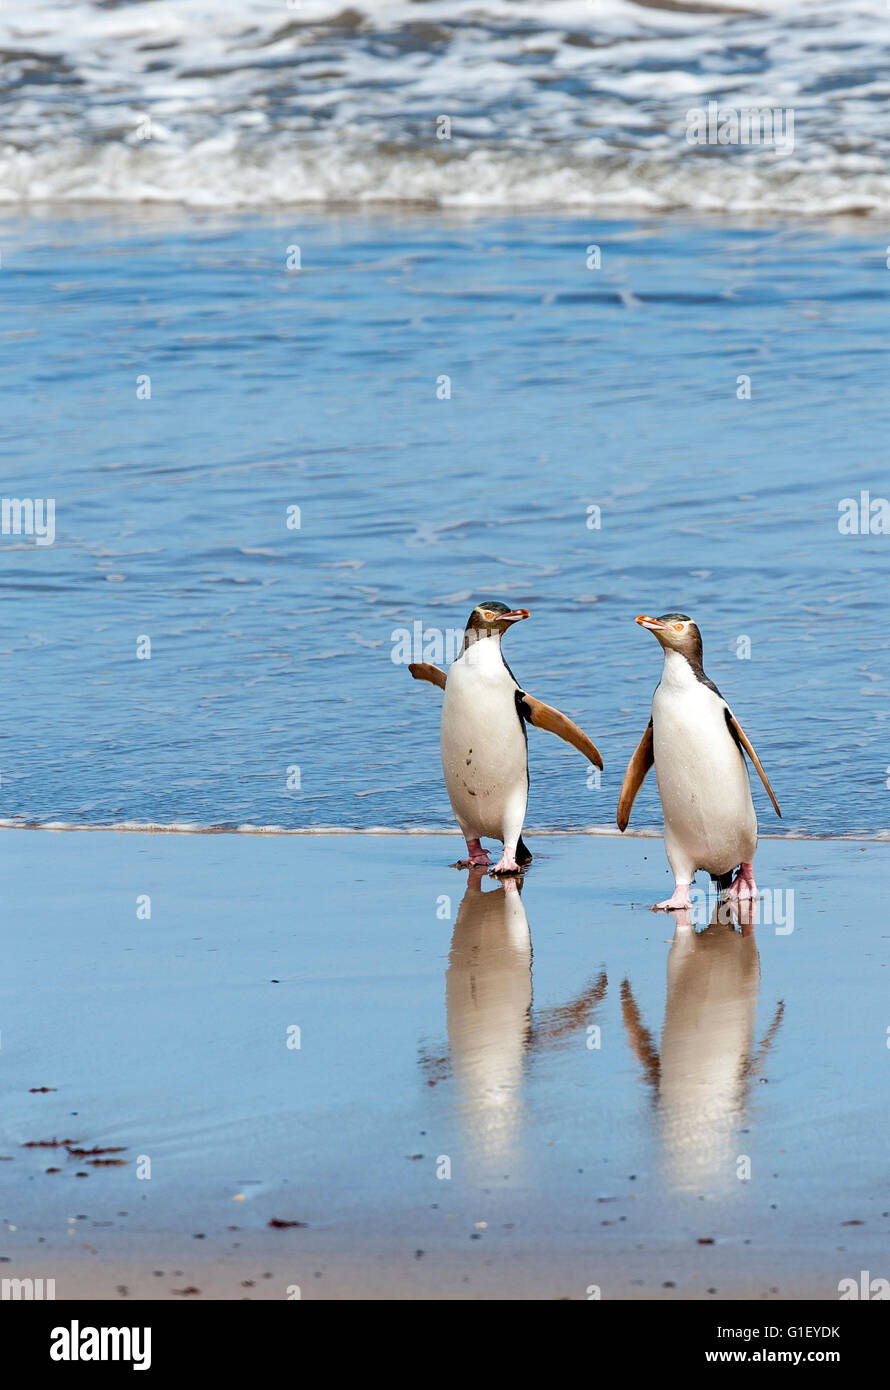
[492, 619]
[677, 633]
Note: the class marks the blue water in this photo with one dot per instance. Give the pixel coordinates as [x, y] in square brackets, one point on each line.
[271, 647]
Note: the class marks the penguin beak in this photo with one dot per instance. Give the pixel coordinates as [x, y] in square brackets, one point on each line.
[651, 623]
[515, 615]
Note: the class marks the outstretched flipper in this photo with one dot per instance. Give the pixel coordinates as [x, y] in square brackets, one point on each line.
[637, 768]
[743, 741]
[546, 717]
[425, 671]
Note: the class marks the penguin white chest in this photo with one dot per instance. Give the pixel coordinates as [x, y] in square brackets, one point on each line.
[709, 820]
[484, 751]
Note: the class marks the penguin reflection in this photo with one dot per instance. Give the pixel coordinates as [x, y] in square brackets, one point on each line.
[702, 1076]
[491, 1029]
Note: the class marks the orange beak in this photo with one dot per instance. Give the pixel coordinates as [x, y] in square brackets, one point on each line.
[515, 615]
[651, 623]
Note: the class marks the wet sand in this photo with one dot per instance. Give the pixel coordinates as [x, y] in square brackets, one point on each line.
[342, 1032]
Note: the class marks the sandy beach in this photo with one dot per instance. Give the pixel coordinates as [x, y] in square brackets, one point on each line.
[456, 1090]
[335, 339]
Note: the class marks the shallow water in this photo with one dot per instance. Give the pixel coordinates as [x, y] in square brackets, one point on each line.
[570, 388]
[608, 1088]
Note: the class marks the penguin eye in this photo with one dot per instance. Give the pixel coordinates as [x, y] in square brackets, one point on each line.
[678, 627]
[489, 617]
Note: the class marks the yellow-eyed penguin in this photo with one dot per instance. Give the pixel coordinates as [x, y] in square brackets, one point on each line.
[696, 743]
[484, 741]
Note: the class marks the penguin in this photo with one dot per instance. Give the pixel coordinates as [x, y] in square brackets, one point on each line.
[484, 739]
[696, 744]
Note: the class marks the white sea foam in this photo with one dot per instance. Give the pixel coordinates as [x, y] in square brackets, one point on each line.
[543, 832]
[580, 105]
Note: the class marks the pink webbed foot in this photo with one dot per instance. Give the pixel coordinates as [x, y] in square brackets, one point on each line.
[507, 862]
[743, 885]
[477, 857]
[679, 900]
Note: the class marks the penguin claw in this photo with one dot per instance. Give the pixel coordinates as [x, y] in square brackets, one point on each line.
[506, 866]
[679, 902]
[743, 886]
[477, 855]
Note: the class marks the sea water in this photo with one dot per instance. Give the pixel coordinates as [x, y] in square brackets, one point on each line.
[265, 476]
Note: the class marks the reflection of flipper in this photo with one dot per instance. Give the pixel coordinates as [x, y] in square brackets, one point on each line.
[434, 1068]
[638, 1036]
[756, 1064]
[552, 1025]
